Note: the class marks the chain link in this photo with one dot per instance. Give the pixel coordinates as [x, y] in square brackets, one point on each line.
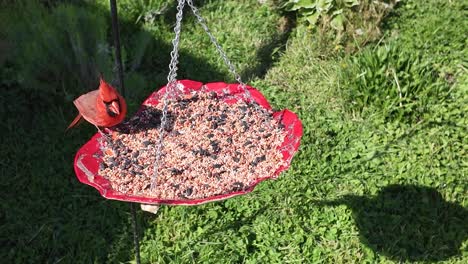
[170, 89]
[220, 50]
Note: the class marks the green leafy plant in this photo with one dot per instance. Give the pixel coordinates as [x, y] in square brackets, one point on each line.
[397, 82]
[345, 23]
[314, 10]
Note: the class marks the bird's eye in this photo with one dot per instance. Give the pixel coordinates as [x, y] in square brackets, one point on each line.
[110, 102]
[112, 107]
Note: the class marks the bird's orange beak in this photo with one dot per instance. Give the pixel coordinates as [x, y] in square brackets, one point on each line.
[114, 107]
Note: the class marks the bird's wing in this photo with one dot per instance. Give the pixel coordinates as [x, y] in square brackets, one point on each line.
[86, 105]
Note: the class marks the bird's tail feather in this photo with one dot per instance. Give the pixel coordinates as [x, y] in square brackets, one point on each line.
[75, 121]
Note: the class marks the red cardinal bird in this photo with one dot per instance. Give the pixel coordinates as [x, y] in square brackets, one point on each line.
[103, 107]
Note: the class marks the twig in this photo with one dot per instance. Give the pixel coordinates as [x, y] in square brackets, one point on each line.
[398, 86]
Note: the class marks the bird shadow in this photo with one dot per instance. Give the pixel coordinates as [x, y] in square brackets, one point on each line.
[408, 223]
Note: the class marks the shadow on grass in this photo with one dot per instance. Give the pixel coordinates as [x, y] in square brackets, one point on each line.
[409, 223]
[269, 53]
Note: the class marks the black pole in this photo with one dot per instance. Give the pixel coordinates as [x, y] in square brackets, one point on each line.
[135, 233]
[118, 56]
[118, 63]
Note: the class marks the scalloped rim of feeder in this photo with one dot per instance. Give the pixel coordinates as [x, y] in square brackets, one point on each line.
[86, 164]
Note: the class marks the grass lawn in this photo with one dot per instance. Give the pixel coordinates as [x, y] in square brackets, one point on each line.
[380, 177]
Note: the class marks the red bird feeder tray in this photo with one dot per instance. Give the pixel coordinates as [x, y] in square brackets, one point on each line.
[90, 156]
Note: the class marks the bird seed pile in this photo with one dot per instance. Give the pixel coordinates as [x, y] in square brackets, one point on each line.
[210, 148]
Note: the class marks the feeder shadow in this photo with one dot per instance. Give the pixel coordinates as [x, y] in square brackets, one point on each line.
[269, 53]
[409, 223]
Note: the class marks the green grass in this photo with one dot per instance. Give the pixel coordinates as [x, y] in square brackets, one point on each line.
[364, 188]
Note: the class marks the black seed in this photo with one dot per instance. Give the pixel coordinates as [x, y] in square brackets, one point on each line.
[229, 140]
[236, 159]
[214, 125]
[245, 125]
[213, 95]
[175, 133]
[261, 130]
[110, 160]
[248, 142]
[116, 151]
[210, 135]
[214, 156]
[188, 191]
[176, 185]
[136, 154]
[146, 143]
[215, 146]
[216, 166]
[267, 135]
[258, 160]
[237, 186]
[223, 116]
[202, 152]
[102, 166]
[175, 171]
[138, 166]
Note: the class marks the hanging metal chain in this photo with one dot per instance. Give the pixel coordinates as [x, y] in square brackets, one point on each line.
[170, 89]
[220, 50]
[246, 93]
